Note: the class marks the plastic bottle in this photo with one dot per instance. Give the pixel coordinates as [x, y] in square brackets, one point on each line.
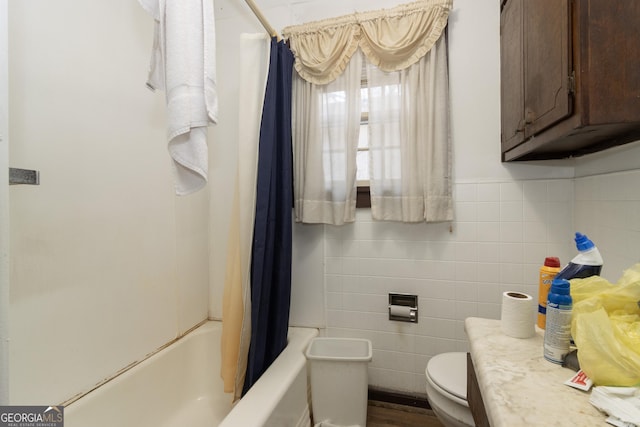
[557, 336]
[587, 263]
[548, 271]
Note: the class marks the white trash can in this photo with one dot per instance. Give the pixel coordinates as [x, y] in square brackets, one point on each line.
[339, 380]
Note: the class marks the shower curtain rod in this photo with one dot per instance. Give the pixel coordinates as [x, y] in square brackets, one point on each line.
[272, 32]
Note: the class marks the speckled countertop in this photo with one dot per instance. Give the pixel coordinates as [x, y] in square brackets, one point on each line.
[519, 387]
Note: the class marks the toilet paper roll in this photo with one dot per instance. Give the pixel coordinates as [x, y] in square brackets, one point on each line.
[517, 318]
[400, 311]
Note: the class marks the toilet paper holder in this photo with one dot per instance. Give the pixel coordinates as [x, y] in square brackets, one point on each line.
[403, 307]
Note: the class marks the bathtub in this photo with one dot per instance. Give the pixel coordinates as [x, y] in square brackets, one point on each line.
[180, 386]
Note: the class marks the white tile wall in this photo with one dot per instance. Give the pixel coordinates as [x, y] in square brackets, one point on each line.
[502, 232]
[607, 207]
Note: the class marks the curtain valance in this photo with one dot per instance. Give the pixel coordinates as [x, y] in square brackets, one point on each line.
[392, 39]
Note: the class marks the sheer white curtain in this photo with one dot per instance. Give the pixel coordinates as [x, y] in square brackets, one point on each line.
[409, 148]
[325, 126]
[407, 83]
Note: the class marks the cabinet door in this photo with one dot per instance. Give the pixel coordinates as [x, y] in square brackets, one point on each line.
[547, 63]
[512, 90]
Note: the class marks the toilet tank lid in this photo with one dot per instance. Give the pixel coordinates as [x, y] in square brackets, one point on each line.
[449, 372]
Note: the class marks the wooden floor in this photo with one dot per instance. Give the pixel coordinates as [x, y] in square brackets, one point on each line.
[382, 414]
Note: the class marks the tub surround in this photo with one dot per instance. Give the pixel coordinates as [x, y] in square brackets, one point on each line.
[181, 386]
[518, 386]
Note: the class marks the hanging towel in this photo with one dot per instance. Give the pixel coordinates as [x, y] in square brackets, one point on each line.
[183, 64]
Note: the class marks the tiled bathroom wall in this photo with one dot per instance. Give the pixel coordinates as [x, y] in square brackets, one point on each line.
[501, 234]
[609, 206]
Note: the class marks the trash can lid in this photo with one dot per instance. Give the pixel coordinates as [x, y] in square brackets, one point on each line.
[340, 349]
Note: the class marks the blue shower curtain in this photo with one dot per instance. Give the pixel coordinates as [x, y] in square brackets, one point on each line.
[271, 253]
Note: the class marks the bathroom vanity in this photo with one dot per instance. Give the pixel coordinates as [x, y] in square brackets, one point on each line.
[515, 386]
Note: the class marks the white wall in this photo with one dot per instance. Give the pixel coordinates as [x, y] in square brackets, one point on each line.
[106, 263]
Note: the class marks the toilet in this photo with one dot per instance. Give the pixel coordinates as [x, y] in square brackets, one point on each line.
[447, 389]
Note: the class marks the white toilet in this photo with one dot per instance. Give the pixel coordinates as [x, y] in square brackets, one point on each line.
[447, 389]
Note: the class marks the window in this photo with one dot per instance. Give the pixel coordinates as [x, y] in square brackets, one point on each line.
[363, 196]
[384, 123]
[389, 128]
[362, 157]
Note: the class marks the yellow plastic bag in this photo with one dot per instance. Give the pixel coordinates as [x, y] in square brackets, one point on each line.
[606, 328]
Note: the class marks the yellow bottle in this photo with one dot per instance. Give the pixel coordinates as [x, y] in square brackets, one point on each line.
[548, 271]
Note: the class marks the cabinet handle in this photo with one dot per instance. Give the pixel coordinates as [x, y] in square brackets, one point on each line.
[529, 117]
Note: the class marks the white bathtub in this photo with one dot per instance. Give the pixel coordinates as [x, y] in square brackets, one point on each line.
[180, 386]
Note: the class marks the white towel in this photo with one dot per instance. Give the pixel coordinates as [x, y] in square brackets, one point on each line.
[183, 64]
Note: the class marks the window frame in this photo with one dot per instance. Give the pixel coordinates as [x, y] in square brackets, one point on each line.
[363, 192]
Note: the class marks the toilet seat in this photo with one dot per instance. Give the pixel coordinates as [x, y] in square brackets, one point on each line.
[447, 372]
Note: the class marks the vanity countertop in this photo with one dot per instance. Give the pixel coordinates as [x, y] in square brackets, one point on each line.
[519, 387]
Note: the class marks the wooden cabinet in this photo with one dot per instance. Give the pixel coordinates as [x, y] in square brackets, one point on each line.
[474, 397]
[570, 73]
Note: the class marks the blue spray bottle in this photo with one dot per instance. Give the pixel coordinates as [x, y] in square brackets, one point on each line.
[557, 335]
[587, 263]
